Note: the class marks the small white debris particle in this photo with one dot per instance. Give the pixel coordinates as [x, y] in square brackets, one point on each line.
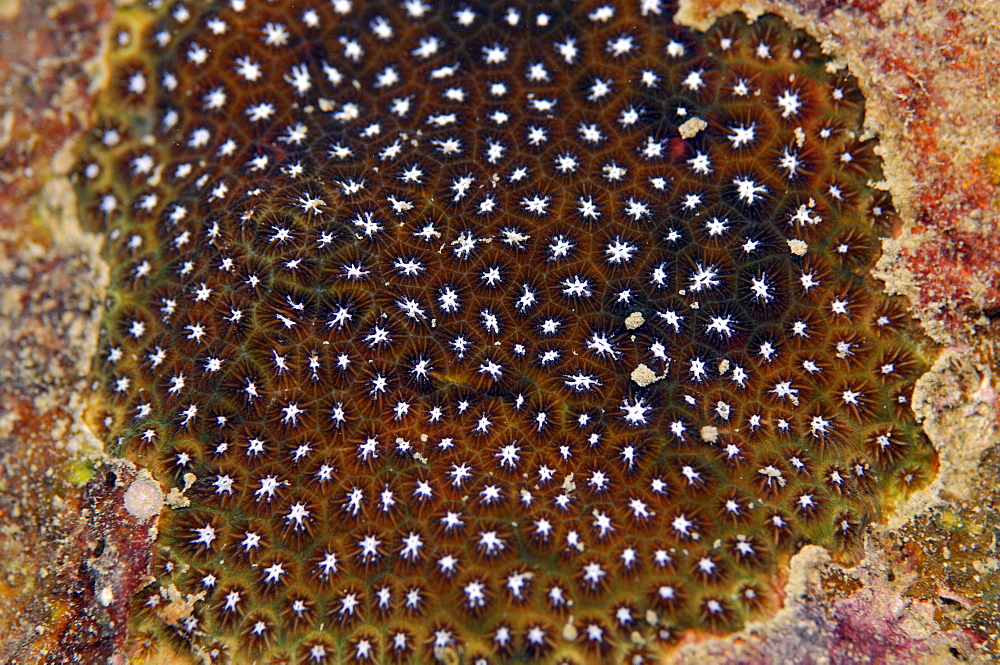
[175, 498]
[691, 127]
[106, 597]
[798, 247]
[771, 473]
[634, 320]
[569, 632]
[644, 376]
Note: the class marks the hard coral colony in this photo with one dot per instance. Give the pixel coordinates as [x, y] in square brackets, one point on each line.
[489, 332]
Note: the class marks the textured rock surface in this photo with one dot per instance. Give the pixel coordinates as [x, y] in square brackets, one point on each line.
[933, 571]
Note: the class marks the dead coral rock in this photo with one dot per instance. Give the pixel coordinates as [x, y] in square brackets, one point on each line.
[107, 564]
[874, 622]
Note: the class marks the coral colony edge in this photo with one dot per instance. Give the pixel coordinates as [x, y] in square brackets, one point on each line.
[489, 332]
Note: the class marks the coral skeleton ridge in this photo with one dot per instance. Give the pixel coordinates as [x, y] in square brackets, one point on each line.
[489, 332]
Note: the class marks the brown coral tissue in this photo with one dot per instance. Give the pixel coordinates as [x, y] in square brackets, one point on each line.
[489, 332]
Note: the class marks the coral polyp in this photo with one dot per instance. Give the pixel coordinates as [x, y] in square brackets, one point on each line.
[489, 333]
